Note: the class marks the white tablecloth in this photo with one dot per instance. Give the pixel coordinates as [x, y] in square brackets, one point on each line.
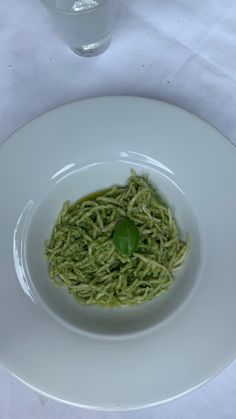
[178, 51]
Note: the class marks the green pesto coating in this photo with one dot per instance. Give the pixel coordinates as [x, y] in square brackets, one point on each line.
[82, 255]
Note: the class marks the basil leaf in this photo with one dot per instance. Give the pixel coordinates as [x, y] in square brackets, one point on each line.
[126, 236]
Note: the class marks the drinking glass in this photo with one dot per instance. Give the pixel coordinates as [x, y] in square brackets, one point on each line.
[84, 24]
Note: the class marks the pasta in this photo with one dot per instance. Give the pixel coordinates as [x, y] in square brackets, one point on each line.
[83, 257]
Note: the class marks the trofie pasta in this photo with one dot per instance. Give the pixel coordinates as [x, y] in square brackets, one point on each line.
[85, 249]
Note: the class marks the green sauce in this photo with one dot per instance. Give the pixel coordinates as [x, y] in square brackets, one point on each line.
[118, 246]
[92, 196]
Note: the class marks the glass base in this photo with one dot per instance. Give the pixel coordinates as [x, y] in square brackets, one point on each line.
[93, 49]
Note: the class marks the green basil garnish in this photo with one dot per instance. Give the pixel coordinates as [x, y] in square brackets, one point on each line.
[126, 236]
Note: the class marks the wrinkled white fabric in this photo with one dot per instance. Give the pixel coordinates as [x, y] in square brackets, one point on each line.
[182, 52]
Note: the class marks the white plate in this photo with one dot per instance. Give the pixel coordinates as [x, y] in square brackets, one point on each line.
[124, 358]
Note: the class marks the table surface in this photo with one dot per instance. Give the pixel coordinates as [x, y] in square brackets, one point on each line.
[181, 52]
